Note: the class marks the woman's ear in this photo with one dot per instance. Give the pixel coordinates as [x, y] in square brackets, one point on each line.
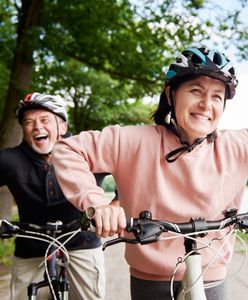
[167, 94]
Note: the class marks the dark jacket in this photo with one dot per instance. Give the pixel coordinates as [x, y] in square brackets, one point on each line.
[39, 198]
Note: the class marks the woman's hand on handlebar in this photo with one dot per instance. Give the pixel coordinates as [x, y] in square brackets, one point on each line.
[109, 219]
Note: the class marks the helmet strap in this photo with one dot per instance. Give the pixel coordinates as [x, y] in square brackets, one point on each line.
[174, 154]
[57, 125]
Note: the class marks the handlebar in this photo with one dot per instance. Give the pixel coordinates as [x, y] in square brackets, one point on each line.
[10, 229]
[146, 230]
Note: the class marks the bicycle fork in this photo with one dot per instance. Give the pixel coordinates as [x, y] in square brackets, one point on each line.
[59, 288]
[62, 295]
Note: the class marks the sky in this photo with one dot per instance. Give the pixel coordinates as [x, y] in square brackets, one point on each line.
[235, 115]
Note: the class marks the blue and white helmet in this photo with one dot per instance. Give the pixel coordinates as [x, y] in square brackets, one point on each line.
[201, 61]
[54, 104]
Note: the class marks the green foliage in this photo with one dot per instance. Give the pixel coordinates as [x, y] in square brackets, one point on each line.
[7, 247]
[243, 236]
[99, 54]
[7, 43]
[109, 184]
[96, 99]
[6, 251]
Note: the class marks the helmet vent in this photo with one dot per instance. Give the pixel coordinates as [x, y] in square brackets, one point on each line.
[193, 58]
[232, 71]
[217, 59]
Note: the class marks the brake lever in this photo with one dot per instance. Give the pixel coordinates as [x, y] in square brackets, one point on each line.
[243, 224]
[145, 233]
[119, 240]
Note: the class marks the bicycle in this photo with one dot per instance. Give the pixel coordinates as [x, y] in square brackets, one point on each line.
[56, 257]
[147, 230]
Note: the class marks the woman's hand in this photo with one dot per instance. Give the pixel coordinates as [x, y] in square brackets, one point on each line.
[110, 220]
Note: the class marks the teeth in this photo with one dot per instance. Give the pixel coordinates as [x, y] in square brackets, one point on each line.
[39, 137]
[202, 116]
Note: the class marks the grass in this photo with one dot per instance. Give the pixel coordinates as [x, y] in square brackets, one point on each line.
[6, 251]
[240, 247]
[244, 236]
[7, 247]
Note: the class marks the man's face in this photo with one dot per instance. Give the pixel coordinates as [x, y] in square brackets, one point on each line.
[41, 129]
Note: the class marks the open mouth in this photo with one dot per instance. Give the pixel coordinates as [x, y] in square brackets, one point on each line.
[41, 137]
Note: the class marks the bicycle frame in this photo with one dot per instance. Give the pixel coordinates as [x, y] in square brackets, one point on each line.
[55, 267]
[192, 281]
[57, 274]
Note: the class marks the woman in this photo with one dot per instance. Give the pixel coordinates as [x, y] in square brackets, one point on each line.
[182, 167]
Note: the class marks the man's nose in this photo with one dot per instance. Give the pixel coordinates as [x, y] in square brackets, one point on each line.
[37, 124]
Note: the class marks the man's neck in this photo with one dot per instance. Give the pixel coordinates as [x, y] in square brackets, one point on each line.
[47, 158]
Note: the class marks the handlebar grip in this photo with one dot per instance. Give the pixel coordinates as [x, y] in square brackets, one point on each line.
[7, 229]
[129, 222]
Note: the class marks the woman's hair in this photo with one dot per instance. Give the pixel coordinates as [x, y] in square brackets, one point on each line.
[162, 110]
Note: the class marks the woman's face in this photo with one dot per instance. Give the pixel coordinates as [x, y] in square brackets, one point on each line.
[199, 104]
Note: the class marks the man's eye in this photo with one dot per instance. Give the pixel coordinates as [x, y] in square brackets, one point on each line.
[26, 123]
[45, 120]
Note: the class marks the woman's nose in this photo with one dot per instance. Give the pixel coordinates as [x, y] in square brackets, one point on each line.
[205, 103]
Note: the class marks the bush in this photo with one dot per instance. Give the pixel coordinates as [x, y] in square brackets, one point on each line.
[7, 247]
[109, 184]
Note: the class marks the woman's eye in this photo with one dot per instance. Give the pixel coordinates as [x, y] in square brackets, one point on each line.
[218, 98]
[196, 91]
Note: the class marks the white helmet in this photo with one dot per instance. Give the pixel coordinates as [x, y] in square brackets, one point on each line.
[54, 104]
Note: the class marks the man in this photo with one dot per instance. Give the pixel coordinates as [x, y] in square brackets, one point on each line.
[27, 171]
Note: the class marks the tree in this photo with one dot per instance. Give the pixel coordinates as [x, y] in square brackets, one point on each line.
[19, 79]
[97, 99]
[99, 54]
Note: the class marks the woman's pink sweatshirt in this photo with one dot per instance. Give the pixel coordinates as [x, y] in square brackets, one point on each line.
[201, 183]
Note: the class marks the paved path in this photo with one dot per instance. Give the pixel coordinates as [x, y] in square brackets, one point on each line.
[117, 276]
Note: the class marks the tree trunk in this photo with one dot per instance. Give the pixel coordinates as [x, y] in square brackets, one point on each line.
[21, 73]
